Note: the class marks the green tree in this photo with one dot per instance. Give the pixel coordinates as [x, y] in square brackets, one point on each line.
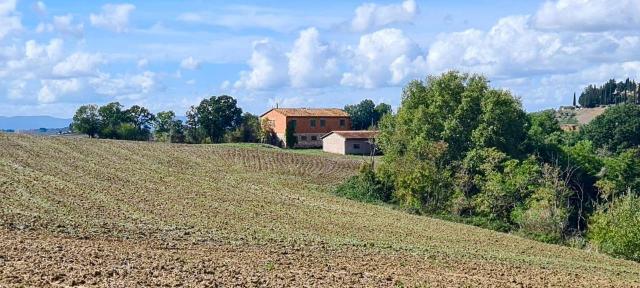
[142, 120]
[290, 135]
[267, 135]
[247, 132]
[616, 129]
[215, 117]
[614, 228]
[86, 120]
[366, 114]
[111, 117]
[168, 128]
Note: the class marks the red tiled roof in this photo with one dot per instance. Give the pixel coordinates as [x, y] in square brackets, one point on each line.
[362, 134]
[310, 112]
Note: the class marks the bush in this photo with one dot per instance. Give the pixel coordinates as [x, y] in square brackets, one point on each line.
[364, 187]
[615, 228]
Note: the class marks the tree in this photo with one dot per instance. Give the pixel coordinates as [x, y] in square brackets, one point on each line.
[86, 120]
[111, 117]
[614, 228]
[215, 116]
[168, 128]
[248, 131]
[290, 135]
[267, 135]
[142, 120]
[366, 114]
[616, 129]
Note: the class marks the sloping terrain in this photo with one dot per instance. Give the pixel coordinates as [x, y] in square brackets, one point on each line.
[116, 213]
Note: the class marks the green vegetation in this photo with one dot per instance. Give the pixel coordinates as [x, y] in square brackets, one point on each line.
[461, 150]
[198, 206]
[366, 114]
[615, 228]
[610, 93]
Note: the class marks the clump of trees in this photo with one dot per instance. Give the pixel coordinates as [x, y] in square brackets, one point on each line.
[610, 93]
[215, 120]
[459, 149]
[111, 121]
[366, 114]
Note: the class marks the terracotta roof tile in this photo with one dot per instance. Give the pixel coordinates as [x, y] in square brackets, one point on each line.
[362, 134]
[310, 112]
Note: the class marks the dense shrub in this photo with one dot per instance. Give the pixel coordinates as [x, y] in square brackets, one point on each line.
[615, 228]
[364, 187]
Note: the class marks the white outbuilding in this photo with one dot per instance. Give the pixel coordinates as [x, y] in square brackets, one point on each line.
[350, 142]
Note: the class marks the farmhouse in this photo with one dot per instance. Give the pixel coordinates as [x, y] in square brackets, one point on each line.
[350, 142]
[309, 124]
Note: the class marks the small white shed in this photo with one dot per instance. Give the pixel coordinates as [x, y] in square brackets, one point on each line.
[349, 142]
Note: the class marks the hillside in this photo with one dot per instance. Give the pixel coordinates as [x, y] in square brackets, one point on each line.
[78, 211]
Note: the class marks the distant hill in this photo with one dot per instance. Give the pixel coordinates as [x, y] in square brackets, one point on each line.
[32, 122]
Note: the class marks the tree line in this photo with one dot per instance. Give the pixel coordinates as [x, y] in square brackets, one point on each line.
[610, 93]
[216, 119]
[461, 150]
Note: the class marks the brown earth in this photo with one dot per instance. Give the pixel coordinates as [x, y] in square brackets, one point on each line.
[83, 212]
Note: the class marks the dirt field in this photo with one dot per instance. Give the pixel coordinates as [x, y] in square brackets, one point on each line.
[82, 212]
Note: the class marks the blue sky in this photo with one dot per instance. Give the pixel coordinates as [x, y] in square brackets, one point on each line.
[168, 55]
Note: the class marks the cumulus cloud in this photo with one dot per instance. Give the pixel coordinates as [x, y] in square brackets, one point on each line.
[40, 8]
[114, 17]
[125, 86]
[78, 64]
[592, 16]
[369, 15]
[312, 63]
[190, 63]
[268, 67]
[52, 89]
[384, 57]
[9, 21]
[62, 24]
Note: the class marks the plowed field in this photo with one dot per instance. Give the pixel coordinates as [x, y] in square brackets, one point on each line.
[107, 213]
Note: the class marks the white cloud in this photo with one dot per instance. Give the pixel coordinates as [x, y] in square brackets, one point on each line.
[510, 48]
[125, 86]
[190, 63]
[64, 24]
[250, 16]
[143, 63]
[52, 89]
[311, 62]
[114, 17]
[384, 57]
[78, 64]
[370, 16]
[16, 89]
[588, 15]
[52, 51]
[9, 21]
[268, 68]
[40, 8]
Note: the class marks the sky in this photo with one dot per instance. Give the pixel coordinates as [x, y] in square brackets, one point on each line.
[168, 55]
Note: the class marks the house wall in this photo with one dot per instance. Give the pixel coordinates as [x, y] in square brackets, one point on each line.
[364, 146]
[333, 143]
[304, 129]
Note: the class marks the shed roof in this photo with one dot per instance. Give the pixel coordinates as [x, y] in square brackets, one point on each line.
[361, 134]
[310, 112]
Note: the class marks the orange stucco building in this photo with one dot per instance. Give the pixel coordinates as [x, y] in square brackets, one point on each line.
[310, 124]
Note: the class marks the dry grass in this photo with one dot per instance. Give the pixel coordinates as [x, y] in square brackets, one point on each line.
[140, 201]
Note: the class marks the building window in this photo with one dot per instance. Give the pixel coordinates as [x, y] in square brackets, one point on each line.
[314, 138]
[343, 123]
[356, 146]
[322, 122]
[303, 138]
[313, 122]
[293, 124]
